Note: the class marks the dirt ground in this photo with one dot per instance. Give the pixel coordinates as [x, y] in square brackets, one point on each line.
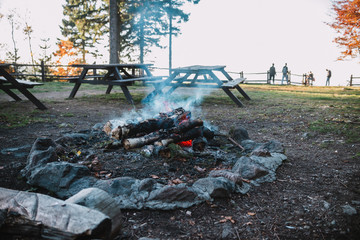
[314, 187]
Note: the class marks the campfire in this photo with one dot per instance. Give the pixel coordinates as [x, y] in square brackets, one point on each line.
[166, 161]
[158, 132]
[163, 161]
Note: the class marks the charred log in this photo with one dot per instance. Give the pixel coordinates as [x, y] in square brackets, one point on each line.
[163, 121]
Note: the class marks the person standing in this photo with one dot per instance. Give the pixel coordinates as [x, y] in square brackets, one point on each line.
[328, 76]
[311, 79]
[285, 75]
[272, 73]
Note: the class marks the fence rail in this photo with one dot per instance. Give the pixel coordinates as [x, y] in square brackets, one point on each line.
[39, 72]
[351, 81]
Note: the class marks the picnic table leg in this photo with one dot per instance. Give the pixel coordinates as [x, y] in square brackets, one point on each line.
[74, 90]
[233, 97]
[242, 92]
[178, 84]
[78, 83]
[152, 95]
[10, 93]
[22, 89]
[108, 90]
[127, 94]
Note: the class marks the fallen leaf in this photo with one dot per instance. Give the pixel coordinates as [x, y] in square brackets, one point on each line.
[191, 222]
[154, 176]
[227, 218]
[172, 218]
[199, 169]
[177, 181]
[251, 213]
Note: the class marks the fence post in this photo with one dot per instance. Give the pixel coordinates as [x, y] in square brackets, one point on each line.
[351, 79]
[289, 78]
[303, 81]
[42, 71]
[268, 77]
[242, 74]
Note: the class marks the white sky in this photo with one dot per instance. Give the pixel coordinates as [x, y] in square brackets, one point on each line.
[244, 35]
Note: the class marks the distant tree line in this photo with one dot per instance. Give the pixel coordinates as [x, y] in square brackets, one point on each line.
[141, 25]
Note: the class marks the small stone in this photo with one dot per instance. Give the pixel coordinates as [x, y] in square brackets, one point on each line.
[188, 213]
[227, 231]
[349, 210]
[326, 205]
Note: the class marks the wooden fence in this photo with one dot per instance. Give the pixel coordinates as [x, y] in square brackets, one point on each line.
[38, 72]
[352, 82]
[42, 72]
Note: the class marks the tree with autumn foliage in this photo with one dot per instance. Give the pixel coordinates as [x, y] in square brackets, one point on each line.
[67, 54]
[347, 25]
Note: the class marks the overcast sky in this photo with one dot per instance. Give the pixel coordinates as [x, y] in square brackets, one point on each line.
[244, 35]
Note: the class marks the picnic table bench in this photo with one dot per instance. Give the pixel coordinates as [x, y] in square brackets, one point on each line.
[201, 76]
[121, 75]
[8, 82]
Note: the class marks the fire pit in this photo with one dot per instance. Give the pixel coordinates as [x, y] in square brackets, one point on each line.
[167, 161]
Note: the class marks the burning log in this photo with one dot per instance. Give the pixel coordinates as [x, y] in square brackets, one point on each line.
[162, 130]
[141, 141]
[164, 138]
[162, 121]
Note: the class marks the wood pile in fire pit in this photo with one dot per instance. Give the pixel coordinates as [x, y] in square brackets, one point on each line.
[172, 127]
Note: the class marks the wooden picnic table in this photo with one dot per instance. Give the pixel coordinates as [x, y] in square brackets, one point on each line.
[8, 82]
[121, 75]
[201, 76]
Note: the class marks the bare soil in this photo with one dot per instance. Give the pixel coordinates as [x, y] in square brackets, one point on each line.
[320, 176]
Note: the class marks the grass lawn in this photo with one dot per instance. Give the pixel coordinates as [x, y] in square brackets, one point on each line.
[334, 110]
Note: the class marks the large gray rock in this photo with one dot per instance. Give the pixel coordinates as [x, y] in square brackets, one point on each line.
[63, 178]
[118, 186]
[272, 146]
[218, 187]
[239, 134]
[248, 169]
[259, 169]
[249, 145]
[42, 152]
[42, 217]
[173, 197]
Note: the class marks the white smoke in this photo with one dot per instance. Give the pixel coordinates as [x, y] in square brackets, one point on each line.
[190, 101]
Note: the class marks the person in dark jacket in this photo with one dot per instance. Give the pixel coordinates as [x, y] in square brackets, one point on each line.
[328, 76]
[272, 73]
[285, 72]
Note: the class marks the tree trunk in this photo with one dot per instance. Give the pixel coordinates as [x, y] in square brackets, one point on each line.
[114, 32]
[170, 38]
[142, 38]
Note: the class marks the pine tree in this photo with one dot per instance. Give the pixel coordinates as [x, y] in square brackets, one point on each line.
[85, 24]
[153, 19]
